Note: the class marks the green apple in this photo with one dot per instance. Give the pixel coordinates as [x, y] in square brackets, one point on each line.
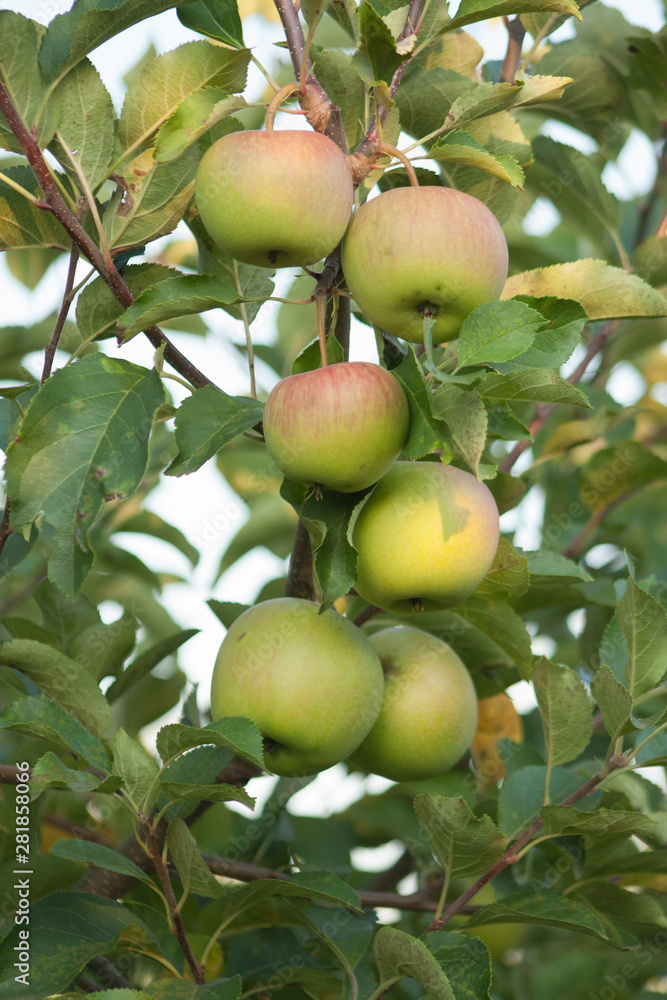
[429, 711]
[498, 938]
[342, 426]
[275, 199]
[312, 683]
[426, 537]
[423, 248]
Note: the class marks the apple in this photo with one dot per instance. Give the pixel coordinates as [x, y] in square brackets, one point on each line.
[498, 938]
[426, 537]
[275, 199]
[429, 711]
[342, 426]
[312, 683]
[423, 248]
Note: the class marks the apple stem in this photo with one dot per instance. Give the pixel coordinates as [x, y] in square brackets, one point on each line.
[320, 302]
[276, 101]
[385, 147]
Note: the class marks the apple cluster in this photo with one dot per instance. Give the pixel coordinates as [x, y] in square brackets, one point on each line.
[399, 703]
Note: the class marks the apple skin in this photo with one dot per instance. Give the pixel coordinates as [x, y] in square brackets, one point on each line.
[426, 537]
[429, 711]
[411, 247]
[312, 683]
[342, 426]
[275, 199]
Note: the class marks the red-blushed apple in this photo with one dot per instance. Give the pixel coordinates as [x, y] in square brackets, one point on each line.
[275, 198]
[429, 711]
[312, 683]
[426, 537]
[423, 248]
[342, 426]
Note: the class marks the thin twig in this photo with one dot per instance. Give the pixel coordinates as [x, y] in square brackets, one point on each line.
[178, 926]
[51, 347]
[56, 204]
[516, 33]
[299, 581]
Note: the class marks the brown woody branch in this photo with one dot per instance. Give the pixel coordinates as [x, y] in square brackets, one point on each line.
[54, 202]
[50, 349]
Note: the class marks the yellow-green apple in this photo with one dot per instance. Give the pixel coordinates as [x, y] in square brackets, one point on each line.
[426, 537]
[429, 711]
[275, 199]
[414, 249]
[341, 426]
[312, 683]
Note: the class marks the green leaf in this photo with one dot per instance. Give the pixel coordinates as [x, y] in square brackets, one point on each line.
[71, 36]
[62, 679]
[545, 908]
[466, 961]
[98, 309]
[23, 226]
[327, 519]
[508, 576]
[485, 99]
[460, 147]
[613, 472]
[532, 384]
[87, 123]
[227, 611]
[464, 844]
[523, 792]
[241, 736]
[83, 440]
[424, 98]
[615, 903]
[583, 201]
[551, 567]
[614, 701]
[337, 73]
[493, 333]
[375, 58]
[564, 709]
[151, 198]
[470, 11]
[465, 414]
[598, 828]
[218, 19]
[95, 854]
[179, 296]
[67, 929]
[166, 81]
[500, 623]
[427, 432]
[605, 292]
[191, 867]
[196, 114]
[399, 955]
[145, 662]
[41, 717]
[321, 885]
[50, 771]
[23, 79]
[180, 989]
[554, 344]
[634, 644]
[310, 359]
[102, 648]
[207, 420]
[137, 769]
[180, 790]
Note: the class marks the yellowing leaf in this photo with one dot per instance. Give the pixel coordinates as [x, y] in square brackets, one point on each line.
[538, 89]
[605, 292]
[498, 719]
